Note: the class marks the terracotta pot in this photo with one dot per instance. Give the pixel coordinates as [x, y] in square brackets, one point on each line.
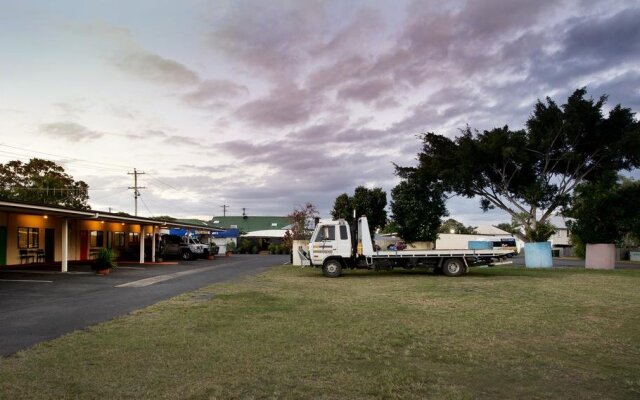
[105, 271]
[210, 257]
[228, 254]
[600, 256]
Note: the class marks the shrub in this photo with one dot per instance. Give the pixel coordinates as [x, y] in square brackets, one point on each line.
[104, 260]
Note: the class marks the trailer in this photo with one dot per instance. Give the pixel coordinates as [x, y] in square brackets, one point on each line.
[334, 246]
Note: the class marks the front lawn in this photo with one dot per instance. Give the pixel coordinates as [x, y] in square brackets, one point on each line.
[291, 333]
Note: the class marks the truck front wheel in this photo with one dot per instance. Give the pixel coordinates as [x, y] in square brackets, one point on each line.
[332, 268]
[453, 267]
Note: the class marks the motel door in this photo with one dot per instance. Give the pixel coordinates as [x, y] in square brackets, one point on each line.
[3, 245]
[84, 245]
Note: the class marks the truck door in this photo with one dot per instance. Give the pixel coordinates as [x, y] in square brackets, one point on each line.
[323, 244]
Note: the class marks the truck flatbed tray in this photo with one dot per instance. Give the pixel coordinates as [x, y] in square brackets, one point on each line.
[439, 253]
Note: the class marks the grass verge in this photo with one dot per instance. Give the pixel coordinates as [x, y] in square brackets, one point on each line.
[290, 333]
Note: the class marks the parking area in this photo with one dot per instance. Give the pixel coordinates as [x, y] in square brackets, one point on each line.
[40, 305]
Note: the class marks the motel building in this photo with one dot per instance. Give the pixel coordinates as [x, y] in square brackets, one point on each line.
[55, 236]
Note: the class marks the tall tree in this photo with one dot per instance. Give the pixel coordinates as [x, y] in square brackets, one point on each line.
[417, 205]
[41, 181]
[509, 227]
[302, 219]
[369, 202]
[604, 211]
[531, 173]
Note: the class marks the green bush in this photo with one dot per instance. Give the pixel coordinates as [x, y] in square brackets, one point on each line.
[542, 233]
[231, 246]
[273, 248]
[245, 246]
[104, 260]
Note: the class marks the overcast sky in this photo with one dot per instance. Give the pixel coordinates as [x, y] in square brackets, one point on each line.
[269, 104]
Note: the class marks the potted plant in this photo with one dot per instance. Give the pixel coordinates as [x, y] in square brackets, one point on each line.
[103, 262]
[603, 213]
[231, 248]
[213, 250]
[537, 252]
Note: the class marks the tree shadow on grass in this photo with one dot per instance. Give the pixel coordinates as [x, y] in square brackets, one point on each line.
[474, 273]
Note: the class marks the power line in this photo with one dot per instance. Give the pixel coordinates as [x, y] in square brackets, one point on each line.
[145, 206]
[120, 167]
[164, 183]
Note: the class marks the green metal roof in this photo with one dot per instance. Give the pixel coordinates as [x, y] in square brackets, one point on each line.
[192, 221]
[250, 223]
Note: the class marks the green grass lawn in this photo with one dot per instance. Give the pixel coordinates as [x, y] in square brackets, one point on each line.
[290, 333]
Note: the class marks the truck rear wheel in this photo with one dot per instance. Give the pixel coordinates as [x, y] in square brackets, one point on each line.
[187, 255]
[453, 267]
[332, 268]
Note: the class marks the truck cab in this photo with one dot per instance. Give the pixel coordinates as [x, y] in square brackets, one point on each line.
[330, 239]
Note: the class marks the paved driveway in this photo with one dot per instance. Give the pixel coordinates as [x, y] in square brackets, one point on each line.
[38, 306]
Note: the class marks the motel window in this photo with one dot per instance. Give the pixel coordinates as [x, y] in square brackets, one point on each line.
[134, 237]
[96, 238]
[28, 238]
[118, 239]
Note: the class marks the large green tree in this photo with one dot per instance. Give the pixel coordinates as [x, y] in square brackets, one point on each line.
[41, 181]
[417, 205]
[369, 202]
[532, 173]
[605, 211]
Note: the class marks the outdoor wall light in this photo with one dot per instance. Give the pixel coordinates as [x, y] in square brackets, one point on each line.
[45, 216]
[122, 224]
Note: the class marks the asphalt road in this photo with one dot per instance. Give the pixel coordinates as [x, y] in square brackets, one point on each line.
[39, 306]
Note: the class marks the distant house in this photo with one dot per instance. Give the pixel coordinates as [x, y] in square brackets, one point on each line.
[246, 224]
[489, 230]
[561, 240]
[263, 230]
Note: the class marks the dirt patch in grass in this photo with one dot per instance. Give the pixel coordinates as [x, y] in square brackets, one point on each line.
[290, 333]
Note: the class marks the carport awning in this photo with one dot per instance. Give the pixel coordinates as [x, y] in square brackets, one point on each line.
[269, 233]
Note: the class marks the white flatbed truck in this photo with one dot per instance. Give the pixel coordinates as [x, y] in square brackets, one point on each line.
[335, 247]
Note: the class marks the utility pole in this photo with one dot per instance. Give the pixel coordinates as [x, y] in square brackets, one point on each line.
[135, 187]
[224, 210]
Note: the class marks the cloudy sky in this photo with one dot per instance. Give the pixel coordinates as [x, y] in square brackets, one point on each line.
[269, 104]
